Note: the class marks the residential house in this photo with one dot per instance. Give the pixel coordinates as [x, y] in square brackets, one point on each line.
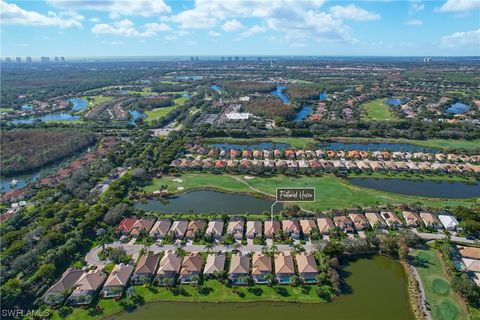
[57, 293]
[343, 223]
[215, 229]
[308, 225]
[215, 264]
[375, 220]
[117, 281]
[261, 266]
[254, 229]
[412, 219]
[307, 267]
[169, 267]
[127, 224]
[144, 224]
[431, 220]
[178, 229]
[284, 267]
[146, 266]
[271, 228]
[391, 219]
[449, 222]
[325, 224]
[235, 228]
[291, 228]
[160, 228]
[195, 228]
[87, 287]
[239, 268]
[191, 268]
[359, 221]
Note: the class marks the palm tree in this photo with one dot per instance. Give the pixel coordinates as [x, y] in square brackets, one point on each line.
[270, 278]
[209, 247]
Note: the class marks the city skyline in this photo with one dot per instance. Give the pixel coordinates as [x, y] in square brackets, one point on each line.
[114, 28]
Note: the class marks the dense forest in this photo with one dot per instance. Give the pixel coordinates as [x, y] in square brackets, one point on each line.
[24, 150]
[271, 108]
[303, 91]
[247, 86]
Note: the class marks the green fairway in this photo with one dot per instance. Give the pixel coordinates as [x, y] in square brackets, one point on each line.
[94, 101]
[444, 303]
[158, 113]
[216, 292]
[430, 143]
[6, 110]
[331, 192]
[377, 110]
[299, 143]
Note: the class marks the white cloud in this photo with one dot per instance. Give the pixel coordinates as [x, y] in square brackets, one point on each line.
[232, 25]
[459, 5]
[414, 22]
[250, 32]
[113, 43]
[415, 6]
[192, 42]
[458, 39]
[94, 20]
[194, 19]
[297, 45]
[352, 12]
[214, 34]
[116, 8]
[12, 14]
[126, 28]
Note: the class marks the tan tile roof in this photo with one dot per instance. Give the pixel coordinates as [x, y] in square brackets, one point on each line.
[170, 262]
[67, 281]
[261, 263]
[469, 252]
[284, 263]
[215, 262]
[120, 275]
[307, 226]
[239, 264]
[192, 263]
[325, 224]
[271, 227]
[147, 264]
[306, 263]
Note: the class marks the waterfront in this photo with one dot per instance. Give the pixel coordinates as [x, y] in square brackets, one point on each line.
[375, 287]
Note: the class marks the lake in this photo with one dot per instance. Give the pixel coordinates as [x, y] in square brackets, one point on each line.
[303, 113]
[136, 115]
[216, 88]
[208, 201]
[279, 93]
[323, 96]
[48, 117]
[458, 108]
[378, 290]
[254, 146]
[423, 188]
[78, 104]
[394, 101]
[404, 147]
[189, 77]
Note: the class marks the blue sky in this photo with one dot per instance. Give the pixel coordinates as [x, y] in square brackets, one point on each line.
[79, 28]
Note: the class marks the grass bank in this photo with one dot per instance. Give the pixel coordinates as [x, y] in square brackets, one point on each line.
[331, 192]
[443, 144]
[298, 143]
[215, 292]
[443, 301]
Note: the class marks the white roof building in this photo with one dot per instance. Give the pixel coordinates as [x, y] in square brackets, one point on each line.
[449, 222]
[237, 115]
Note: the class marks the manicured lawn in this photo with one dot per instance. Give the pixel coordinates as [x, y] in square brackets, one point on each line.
[430, 143]
[444, 303]
[410, 176]
[147, 91]
[377, 110]
[298, 143]
[158, 113]
[94, 101]
[331, 192]
[218, 292]
[6, 110]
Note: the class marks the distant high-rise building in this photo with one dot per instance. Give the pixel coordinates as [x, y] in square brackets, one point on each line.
[192, 58]
[57, 59]
[222, 58]
[18, 60]
[45, 59]
[259, 59]
[244, 58]
[196, 58]
[28, 59]
[237, 58]
[427, 59]
[8, 60]
[62, 59]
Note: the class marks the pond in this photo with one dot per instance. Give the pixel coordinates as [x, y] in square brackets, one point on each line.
[279, 93]
[26, 107]
[216, 88]
[78, 104]
[207, 201]
[323, 96]
[422, 188]
[25, 178]
[303, 113]
[189, 77]
[458, 108]
[136, 115]
[403, 147]
[377, 290]
[394, 101]
[254, 146]
[48, 117]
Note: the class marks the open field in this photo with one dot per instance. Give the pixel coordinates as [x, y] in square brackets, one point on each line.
[147, 91]
[443, 301]
[94, 101]
[298, 143]
[331, 192]
[158, 113]
[6, 110]
[431, 143]
[377, 110]
[218, 293]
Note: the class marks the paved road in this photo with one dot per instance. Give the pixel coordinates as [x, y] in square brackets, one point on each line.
[133, 249]
[438, 236]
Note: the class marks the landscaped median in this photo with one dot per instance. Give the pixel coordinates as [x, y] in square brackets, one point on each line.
[331, 191]
[213, 291]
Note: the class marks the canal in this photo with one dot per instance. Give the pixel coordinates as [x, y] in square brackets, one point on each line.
[376, 289]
